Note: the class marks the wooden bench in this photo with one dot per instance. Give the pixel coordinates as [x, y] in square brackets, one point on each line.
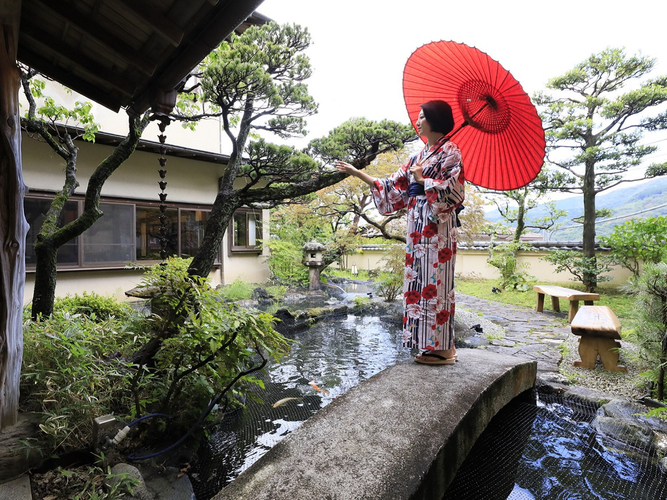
[599, 330]
[559, 292]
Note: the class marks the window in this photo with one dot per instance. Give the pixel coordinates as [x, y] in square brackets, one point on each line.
[149, 240]
[130, 232]
[192, 231]
[35, 213]
[109, 240]
[246, 231]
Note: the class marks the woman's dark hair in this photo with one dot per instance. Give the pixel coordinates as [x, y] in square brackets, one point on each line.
[439, 116]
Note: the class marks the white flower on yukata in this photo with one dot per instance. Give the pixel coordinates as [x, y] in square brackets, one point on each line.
[453, 233]
[413, 311]
[435, 305]
[440, 241]
[395, 196]
[433, 245]
[412, 216]
[419, 251]
[410, 274]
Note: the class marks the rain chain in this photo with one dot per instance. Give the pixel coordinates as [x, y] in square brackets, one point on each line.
[164, 121]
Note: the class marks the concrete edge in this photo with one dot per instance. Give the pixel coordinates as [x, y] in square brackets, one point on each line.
[401, 434]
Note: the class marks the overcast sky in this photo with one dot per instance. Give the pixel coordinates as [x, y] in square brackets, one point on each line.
[359, 47]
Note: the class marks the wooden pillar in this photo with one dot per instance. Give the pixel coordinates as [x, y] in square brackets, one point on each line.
[13, 226]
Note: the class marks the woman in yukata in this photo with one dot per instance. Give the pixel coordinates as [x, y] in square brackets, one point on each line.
[431, 186]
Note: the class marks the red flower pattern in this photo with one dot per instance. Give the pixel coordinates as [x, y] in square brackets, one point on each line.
[442, 317]
[431, 230]
[401, 183]
[445, 255]
[429, 292]
[429, 217]
[412, 297]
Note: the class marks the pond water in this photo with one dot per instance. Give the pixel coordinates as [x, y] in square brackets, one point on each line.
[546, 450]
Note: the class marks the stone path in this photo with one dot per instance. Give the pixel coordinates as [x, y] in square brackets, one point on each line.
[529, 334]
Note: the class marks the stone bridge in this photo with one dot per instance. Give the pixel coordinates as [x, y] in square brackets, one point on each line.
[401, 434]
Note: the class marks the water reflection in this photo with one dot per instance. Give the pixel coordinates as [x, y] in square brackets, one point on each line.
[325, 362]
[561, 457]
[546, 450]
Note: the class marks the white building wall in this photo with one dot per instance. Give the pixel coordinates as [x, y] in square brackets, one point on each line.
[188, 181]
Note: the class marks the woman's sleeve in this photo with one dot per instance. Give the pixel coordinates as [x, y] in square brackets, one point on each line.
[391, 194]
[446, 190]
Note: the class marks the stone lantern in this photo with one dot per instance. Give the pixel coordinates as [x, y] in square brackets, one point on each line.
[312, 257]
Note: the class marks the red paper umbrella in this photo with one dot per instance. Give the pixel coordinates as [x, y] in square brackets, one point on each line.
[497, 127]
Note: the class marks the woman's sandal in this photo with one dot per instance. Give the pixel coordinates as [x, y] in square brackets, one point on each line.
[431, 358]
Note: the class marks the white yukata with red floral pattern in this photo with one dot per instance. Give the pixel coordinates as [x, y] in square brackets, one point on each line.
[428, 298]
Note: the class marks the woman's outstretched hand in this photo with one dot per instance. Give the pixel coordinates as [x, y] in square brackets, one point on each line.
[345, 168]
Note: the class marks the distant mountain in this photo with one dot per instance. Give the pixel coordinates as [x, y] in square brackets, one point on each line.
[637, 200]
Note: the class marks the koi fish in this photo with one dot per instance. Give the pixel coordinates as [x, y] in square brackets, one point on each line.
[314, 386]
[284, 401]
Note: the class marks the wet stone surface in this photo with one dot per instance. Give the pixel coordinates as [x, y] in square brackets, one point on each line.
[526, 334]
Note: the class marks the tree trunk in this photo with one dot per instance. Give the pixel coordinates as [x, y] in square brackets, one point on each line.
[226, 202]
[51, 237]
[663, 353]
[44, 294]
[588, 236]
[520, 217]
[13, 226]
[222, 212]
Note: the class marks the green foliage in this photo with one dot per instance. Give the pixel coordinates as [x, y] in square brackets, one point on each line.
[78, 116]
[658, 413]
[650, 334]
[285, 261]
[237, 290]
[96, 307]
[637, 241]
[343, 142]
[264, 66]
[195, 348]
[208, 345]
[512, 274]
[73, 371]
[580, 266]
[391, 279]
[594, 121]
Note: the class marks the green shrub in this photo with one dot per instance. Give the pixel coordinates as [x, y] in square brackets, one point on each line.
[191, 351]
[390, 279]
[92, 305]
[237, 290]
[512, 274]
[73, 371]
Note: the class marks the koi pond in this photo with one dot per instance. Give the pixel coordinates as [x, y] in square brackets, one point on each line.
[541, 449]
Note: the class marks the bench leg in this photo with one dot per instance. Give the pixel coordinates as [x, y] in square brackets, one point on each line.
[540, 302]
[608, 349]
[574, 307]
[555, 304]
[587, 352]
[591, 347]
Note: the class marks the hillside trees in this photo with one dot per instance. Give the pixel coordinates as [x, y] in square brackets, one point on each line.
[255, 84]
[594, 126]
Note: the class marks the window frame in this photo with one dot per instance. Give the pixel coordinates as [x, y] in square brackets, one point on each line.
[259, 222]
[136, 204]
